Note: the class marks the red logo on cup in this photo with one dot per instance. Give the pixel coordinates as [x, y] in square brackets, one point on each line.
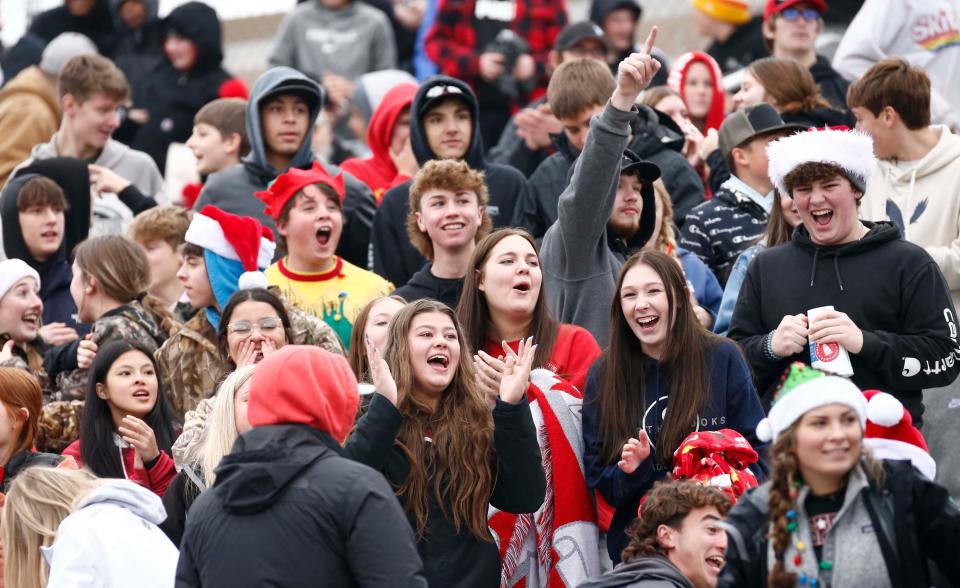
[827, 351]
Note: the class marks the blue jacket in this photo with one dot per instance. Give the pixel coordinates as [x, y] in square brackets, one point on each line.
[733, 405]
[732, 290]
[706, 288]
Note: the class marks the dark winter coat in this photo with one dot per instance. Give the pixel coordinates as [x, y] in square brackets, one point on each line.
[172, 97]
[22, 460]
[819, 117]
[733, 405]
[459, 559]
[424, 284]
[642, 572]
[720, 229]
[98, 25]
[394, 257]
[233, 189]
[833, 86]
[288, 509]
[513, 151]
[743, 47]
[914, 520]
[890, 288]
[138, 50]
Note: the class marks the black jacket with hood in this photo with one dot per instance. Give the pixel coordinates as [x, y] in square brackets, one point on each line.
[394, 257]
[452, 558]
[424, 284]
[55, 272]
[98, 25]
[172, 97]
[233, 189]
[642, 572]
[137, 50]
[833, 86]
[654, 137]
[890, 288]
[289, 509]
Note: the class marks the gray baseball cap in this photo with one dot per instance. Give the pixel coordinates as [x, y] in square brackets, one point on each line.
[752, 121]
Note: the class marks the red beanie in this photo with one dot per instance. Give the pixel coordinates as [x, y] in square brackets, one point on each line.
[306, 385]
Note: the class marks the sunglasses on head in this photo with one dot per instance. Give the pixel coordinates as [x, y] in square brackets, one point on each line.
[438, 91]
[792, 14]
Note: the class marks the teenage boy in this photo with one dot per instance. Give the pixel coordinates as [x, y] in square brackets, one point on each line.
[608, 210]
[919, 177]
[736, 37]
[790, 30]
[29, 106]
[306, 206]
[578, 91]
[447, 218]
[926, 34]
[677, 541]
[525, 141]
[160, 231]
[444, 125]
[92, 90]
[283, 107]
[718, 230]
[221, 253]
[620, 22]
[891, 308]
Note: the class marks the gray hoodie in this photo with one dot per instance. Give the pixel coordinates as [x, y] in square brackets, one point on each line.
[581, 256]
[349, 41]
[642, 572]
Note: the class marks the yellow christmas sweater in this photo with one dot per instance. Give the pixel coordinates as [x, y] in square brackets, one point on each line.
[336, 296]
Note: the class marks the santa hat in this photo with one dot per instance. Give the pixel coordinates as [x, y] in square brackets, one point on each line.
[851, 151]
[890, 433]
[288, 184]
[238, 238]
[804, 389]
[14, 270]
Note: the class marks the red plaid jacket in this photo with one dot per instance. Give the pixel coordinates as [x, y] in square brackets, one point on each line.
[451, 41]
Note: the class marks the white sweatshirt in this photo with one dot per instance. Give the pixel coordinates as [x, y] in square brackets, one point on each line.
[924, 32]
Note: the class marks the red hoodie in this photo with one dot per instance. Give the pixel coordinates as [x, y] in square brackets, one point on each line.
[156, 478]
[378, 171]
[678, 78]
[573, 353]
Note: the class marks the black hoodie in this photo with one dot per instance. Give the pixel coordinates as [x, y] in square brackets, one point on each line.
[424, 284]
[833, 86]
[394, 257]
[98, 25]
[890, 288]
[288, 509]
[643, 572]
[55, 272]
[172, 97]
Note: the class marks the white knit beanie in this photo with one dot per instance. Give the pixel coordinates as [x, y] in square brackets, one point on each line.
[14, 270]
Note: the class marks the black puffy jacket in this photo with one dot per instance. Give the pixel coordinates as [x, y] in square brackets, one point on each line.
[288, 509]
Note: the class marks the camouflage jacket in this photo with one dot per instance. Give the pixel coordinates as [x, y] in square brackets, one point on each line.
[29, 357]
[60, 419]
[190, 364]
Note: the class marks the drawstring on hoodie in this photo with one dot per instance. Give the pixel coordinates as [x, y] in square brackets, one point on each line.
[836, 270]
[813, 268]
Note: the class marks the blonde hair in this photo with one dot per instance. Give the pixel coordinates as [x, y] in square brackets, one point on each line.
[38, 501]
[666, 240]
[220, 431]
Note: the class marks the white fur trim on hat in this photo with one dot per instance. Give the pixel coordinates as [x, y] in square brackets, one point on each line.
[884, 410]
[892, 449]
[808, 396]
[207, 233]
[251, 280]
[850, 150]
[14, 270]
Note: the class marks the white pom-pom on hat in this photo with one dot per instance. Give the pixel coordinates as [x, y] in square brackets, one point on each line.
[765, 430]
[884, 410]
[251, 280]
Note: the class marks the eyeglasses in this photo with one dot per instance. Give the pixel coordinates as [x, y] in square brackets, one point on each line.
[245, 328]
[438, 91]
[792, 14]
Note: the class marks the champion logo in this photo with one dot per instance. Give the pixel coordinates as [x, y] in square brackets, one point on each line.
[827, 351]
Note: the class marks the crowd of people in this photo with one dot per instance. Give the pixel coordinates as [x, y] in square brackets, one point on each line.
[458, 293]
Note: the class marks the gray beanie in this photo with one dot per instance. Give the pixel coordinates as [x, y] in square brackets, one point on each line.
[62, 49]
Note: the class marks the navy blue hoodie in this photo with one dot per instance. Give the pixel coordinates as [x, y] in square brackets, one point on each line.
[394, 257]
[733, 405]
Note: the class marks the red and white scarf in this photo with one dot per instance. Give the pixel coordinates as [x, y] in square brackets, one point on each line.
[563, 532]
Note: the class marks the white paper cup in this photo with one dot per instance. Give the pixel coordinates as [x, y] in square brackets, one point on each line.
[829, 357]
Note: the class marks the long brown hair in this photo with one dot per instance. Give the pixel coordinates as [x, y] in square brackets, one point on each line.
[778, 230]
[455, 467]
[684, 364]
[122, 272]
[474, 312]
[19, 389]
[784, 479]
[357, 354]
[790, 84]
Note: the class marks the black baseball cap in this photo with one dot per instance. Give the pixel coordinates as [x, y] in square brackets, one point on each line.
[577, 32]
[439, 92]
[750, 122]
[647, 170]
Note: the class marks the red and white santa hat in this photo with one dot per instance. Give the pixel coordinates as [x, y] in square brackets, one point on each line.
[240, 238]
[890, 433]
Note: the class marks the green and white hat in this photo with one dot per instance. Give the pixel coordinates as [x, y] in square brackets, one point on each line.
[803, 389]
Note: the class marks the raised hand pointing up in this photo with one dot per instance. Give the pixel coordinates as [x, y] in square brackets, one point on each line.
[635, 73]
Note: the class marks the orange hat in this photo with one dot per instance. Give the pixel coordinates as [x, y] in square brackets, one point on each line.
[302, 384]
[730, 11]
[289, 183]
